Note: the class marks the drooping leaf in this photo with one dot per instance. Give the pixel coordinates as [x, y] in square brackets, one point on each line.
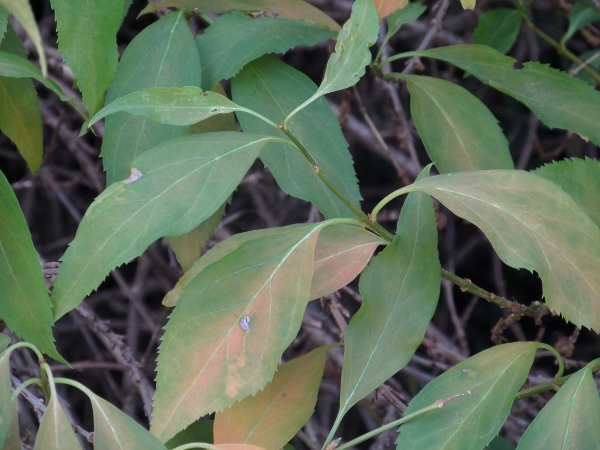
[498, 28]
[233, 40]
[580, 179]
[274, 89]
[293, 9]
[55, 429]
[400, 290]
[6, 405]
[13, 437]
[468, 4]
[532, 224]
[493, 378]
[583, 13]
[173, 106]
[273, 416]
[172, 188]
[20, 116]
[341, 253]
[410, 13]
[230, 326]
[115, 430]
[347, 64]
[459, 132]
[558, 99]
[25, 306]
[570, 419]
[3, 21]
[87, 39]
[387, 7]
[199, 431]
[162, 55]
[21, 10]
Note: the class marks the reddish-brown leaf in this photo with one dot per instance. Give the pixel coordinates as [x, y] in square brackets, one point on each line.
[387, 7]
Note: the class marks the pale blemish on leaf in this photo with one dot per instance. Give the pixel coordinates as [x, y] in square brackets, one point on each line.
[133, 176]
[245, 323]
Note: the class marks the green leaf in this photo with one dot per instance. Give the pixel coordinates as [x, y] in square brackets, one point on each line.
[21, 10]
[347, 64]
[500, 443]
[173, 106]
[55, 429]
[233, 40]
[400, 290]
[4, 341]
[498, 29]
[3, 21]
[591, 57]
[273, 416]
[219, 122]
[468, 4]
[341, 253]
[293, 9]
[230, 326]
[115, 430]
[162, 55]
[582, 14]
[570, 420]
[274, 89]
[532, 224]
[87, 39]
[580, 179]
[199, 431]
[6, 405]
[173, 188]
[558, 99]
[469, 422]
[25, 306]
[20, 116]
[408, 14]
[458, 130]
[13, 438]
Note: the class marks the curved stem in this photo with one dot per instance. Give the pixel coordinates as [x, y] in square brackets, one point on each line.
[23, 385]
[561, 363]
[28, 345]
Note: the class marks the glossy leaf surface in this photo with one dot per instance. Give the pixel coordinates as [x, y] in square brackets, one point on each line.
[21, 10]
[55, 429]
[173, 188]
[558, 99]
[347, 64]
[469, 422]
[174, 106]
[570, 420]
[531, 224]
[162, 55]
[25, 306]
[400, 290]
[498, 29]
[294, 9]
[273, 416]
[230, 327]
[20, 116]
[580, 179]
[233, 40]
[87, 40]
[274, 89]
[459, 132]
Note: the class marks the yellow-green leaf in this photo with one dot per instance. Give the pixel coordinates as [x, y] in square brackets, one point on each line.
[55, 429]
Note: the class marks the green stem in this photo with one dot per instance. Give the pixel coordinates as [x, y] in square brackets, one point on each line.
[560, 47]
[23, 385]
[28, 345]
[366, 220]
[437, 405]
[561, 363]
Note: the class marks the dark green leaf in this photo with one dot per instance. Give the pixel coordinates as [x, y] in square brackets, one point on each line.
[20, 116]
[293, 9]
[400, 290]
[583, 13]
[172, 188]
[199, 431]
[469, 422]
[274, 89]
[580, 179]
[163, 55]
[231, 324]
[408, 14]
[500, 443]
[233, 40]
[25, 306]
[532, 223]
[570, 420]
[87, 39]
[173, 106]
[458, 130]
[498, 29]
[273, 416]
[558, 99]
[3, 21]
